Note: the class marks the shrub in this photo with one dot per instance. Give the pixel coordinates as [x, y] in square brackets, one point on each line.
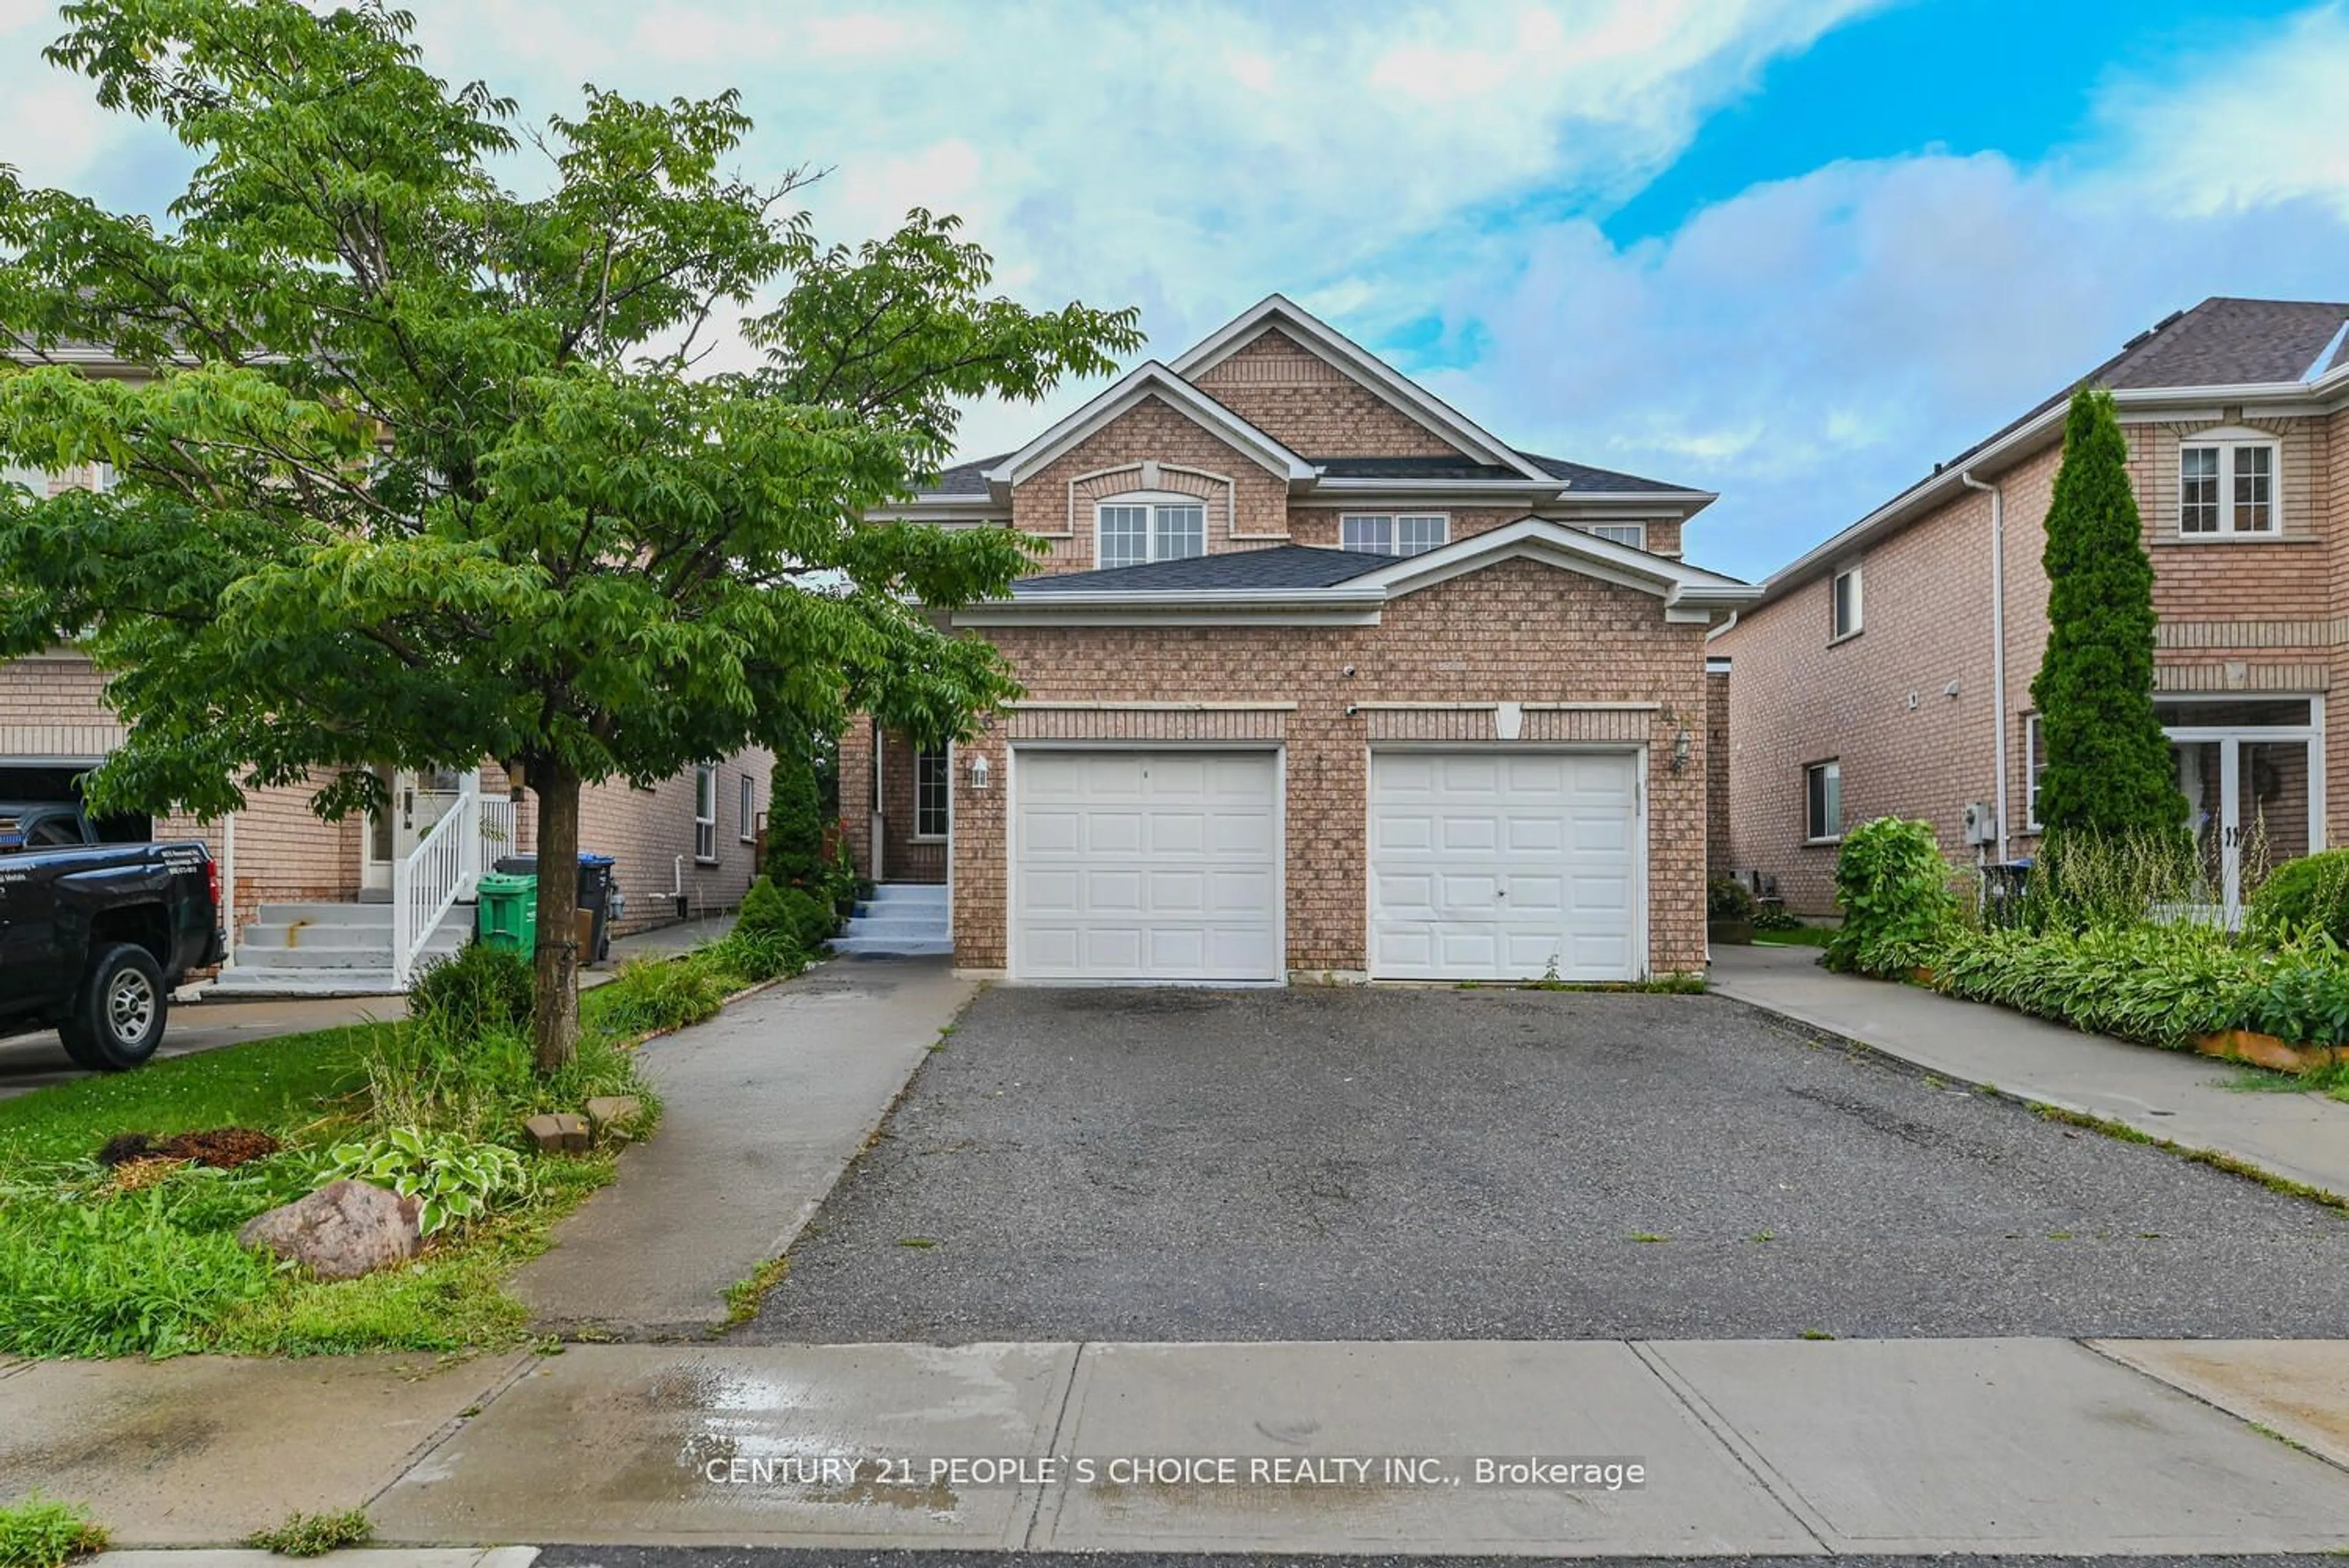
[2310, 894]
[754, 955]
[456, 1178]
[1893, 887]
[1727, 898]
[650, 996]
[2116, 881]
[812, 920]
[794, 824]
[479, 989]
[2156, 985]
[1775, 917]
[763, 911]
[42, 1532]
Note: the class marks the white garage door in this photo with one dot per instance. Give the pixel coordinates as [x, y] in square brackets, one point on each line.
[1145, 865]
[1493, 866]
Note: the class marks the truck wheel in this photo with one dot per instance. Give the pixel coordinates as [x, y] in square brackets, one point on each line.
[118, 1019]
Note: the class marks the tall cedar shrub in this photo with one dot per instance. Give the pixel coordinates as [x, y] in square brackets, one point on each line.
[2108, 768]
[795, 824]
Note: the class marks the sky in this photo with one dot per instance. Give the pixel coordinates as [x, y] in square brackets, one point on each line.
[1792, 251]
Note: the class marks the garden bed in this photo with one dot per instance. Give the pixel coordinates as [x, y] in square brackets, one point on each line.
[141, 1256]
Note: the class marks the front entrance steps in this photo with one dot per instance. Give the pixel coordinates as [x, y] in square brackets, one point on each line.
[327, 950]
[903, 919]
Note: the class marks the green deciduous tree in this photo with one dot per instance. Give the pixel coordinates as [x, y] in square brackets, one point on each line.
[2109, 775]
[426, 470]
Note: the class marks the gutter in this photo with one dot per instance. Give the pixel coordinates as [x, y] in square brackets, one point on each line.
[1997, 641]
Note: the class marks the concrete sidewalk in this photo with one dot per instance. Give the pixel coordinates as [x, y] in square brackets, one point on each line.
[2167, 1095]
[1760, 1448]
[763, 1107]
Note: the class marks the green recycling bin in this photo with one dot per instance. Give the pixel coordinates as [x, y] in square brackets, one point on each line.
[507, 914]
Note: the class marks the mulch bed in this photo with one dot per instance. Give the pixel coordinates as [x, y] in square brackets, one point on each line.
[223, 1148]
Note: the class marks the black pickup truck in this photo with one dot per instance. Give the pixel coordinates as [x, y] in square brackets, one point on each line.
[94, 938]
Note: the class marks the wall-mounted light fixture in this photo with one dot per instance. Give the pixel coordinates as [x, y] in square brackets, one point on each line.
[1680, 744]
[978, 771]
[517, 781]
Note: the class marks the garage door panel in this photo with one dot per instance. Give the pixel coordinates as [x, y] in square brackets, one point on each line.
[1490, 865]
[1177, 877]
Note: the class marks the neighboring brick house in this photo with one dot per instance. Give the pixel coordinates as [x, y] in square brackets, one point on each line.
[310, 898]
[1321, 680]
[1889, 671]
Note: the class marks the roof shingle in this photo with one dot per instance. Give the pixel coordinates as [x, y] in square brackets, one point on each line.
[1273, 568]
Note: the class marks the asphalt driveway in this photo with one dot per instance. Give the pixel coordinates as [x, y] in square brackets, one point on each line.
[1383, 1164]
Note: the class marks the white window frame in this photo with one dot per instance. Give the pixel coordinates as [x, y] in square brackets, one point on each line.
[2034, 762]
[1835, 580]
[925, 782]
[1613, 532]
[1391, 523]
[705, 814]
[1828, 768]
[1153, 502]
[2230, 445]
[750, 798]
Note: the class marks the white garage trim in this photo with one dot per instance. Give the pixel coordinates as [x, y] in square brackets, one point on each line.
[1018, 963]
[1637, 965]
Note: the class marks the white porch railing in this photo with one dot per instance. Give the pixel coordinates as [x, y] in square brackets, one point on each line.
[445, 865]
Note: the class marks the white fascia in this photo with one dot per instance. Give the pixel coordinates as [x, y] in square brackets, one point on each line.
[1147, 380]
[1341, 604]
[1392, 386]
[1678, 583]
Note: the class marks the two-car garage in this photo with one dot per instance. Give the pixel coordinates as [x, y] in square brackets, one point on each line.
[1169, 864]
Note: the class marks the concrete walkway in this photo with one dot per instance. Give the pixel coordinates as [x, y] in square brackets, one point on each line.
[1761, 1448]
[764, 1105]
[2178, 1098]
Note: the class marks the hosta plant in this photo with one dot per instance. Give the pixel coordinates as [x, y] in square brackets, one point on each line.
[454, 1178]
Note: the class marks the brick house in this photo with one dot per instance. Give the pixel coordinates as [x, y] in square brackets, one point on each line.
[1321, 680]
[1889, 671]
[319, 906]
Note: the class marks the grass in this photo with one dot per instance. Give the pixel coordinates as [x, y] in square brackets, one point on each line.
[93, 1265]
[42, 1532]
[746, 1295]
[1794, 937]
[314, 1534]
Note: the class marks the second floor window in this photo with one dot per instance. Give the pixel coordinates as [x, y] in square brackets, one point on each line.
[1136, 533]
[1392, 534]
[1843, 616]
[2226, 487]
[1632, 533]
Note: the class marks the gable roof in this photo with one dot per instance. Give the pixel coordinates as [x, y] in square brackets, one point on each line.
[1382, 380]
[1582, 476]
[2288, 351]
[1148, 380]
[1302, 584]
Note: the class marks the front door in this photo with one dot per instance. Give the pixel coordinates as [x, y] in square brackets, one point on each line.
[2252, 772]
[418, 801]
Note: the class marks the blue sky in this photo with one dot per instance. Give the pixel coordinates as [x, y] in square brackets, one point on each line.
[1793, 251]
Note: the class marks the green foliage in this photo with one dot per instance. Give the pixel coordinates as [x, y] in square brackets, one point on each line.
[2155, 985]
[314, 1534]
[1893, 887]
[763, 912]
[457, 1179]
[2116, 880]
[422, 469]
[1775, 917]
[2303, 999]
[751, 956]
[2108, 767]
[795, 824]
[652, 996]
[814, 920]
[1727, 898]
[43, 1532]
[2310, 894]
[115, 1277]
[478, 990]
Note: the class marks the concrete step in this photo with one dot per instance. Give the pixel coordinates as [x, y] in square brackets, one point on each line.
[893, 947]
[326, 914]
[910, 893]
[885, 925]
[258, 982]
[449, 936]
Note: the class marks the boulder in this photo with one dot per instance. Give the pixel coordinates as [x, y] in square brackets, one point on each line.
[344, 1229]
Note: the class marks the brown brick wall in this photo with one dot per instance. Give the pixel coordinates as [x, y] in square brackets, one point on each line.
[1605, 644]
[2234, 615]
[1312, 407]
[1042, 504]
[647, 830]
[1717, 856]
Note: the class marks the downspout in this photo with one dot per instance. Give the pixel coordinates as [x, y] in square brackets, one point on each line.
[1997, 639]
[228, 891]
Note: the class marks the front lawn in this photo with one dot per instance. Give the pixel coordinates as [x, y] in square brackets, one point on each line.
[136, 1253]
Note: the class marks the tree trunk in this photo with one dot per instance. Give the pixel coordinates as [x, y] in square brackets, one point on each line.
[554, 1027]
